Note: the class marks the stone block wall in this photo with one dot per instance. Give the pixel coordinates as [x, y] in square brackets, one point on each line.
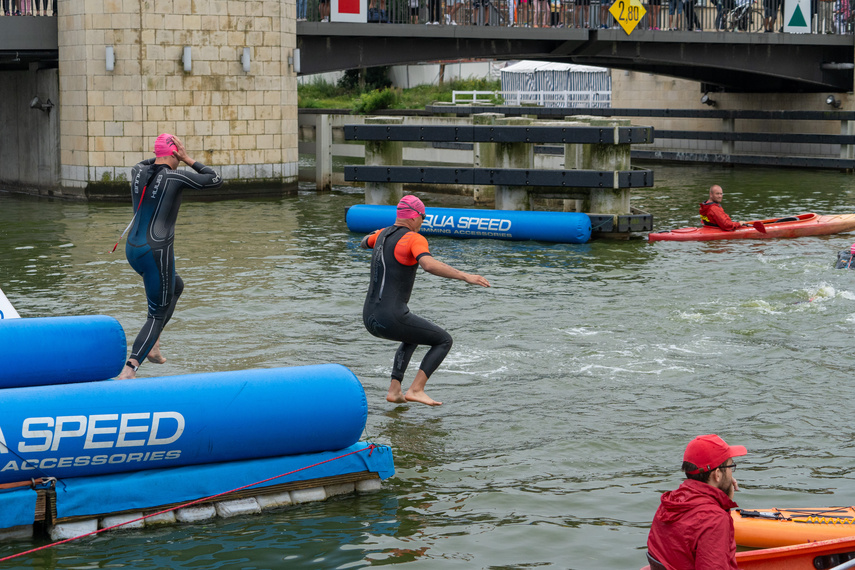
[242, 123]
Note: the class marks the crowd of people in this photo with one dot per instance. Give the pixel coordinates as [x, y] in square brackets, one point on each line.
[29, 7]
[829, 16]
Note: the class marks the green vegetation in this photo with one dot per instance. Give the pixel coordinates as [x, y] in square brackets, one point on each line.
[377, 94]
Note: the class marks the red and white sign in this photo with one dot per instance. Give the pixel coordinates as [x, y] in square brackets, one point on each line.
[349, 11]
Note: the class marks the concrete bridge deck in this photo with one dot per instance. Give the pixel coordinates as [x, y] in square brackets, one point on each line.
[734, 62]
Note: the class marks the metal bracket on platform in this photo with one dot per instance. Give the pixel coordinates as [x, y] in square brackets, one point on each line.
[500, 176]
[500, 134]
[638, 221]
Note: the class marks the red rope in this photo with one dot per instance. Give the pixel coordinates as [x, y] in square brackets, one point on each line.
[370, 448]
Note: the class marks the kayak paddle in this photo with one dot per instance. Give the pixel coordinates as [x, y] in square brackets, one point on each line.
[758, 225]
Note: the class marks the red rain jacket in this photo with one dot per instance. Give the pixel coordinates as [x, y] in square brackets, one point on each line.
[692, 529]
[712, 214]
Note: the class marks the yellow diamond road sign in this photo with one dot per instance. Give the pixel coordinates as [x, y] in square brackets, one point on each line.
[627, 13]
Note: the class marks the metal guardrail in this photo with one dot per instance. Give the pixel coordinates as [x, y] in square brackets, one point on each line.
[735, 16]
[501, 134]
[559, 112]
[500, 176]
[540, 98]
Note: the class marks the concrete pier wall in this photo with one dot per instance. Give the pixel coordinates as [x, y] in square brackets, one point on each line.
[244, 123]
[29, 151]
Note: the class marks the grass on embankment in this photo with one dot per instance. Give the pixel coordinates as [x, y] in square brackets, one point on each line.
[322, 95]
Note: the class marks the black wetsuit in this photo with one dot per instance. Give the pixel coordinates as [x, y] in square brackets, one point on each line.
[149, 246]
[386, 315]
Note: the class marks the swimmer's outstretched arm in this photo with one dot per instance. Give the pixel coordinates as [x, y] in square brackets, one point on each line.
[436, 267]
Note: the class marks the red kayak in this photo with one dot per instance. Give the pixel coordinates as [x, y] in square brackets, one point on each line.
[790, 227]
[823, 554]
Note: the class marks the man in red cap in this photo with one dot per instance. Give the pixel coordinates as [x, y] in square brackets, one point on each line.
[399, 250]
[712, 214]
[692, 529]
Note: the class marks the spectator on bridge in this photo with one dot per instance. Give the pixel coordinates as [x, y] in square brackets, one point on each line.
[654, 8]
[771, 8]
[301, 10]
[541, 13]
[723, 7]
[523, 10]
[604, 14]
[434, 12]
[26, 7]
[582, 13]
[675, 7]
[324, 10]
[451, 11]
[692, 22]
[10, 8]
[825, 21]
[555, 13]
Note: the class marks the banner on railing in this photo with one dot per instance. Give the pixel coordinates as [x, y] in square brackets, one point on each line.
[349, 11]
[797, 16]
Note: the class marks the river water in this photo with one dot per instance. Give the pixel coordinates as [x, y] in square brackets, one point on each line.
[572, 388]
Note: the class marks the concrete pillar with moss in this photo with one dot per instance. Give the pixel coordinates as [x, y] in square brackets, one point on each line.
[384, 153]
[507, 155]
[612, 157]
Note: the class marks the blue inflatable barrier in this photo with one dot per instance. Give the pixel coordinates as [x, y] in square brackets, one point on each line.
[560, 227]
[96, 428]
[60, 350]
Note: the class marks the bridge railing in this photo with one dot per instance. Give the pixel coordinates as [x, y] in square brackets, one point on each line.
[571, 99]
[758, 16]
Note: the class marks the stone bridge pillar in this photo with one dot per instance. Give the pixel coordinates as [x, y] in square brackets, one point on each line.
[179, 67]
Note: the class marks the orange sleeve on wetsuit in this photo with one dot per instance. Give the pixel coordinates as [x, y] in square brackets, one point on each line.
[372, 239]
[410, 248]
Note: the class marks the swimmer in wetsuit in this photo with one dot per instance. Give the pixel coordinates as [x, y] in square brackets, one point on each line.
[156, 191]
[398, 252]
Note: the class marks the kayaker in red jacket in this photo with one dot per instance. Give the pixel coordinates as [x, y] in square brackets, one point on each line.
[692, 528]
[712, 214]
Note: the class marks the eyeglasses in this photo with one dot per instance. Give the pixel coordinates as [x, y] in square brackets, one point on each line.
[732, 467]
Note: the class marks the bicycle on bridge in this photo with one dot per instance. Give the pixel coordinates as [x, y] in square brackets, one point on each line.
[744, 16]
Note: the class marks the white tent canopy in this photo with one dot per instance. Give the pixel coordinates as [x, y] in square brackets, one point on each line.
[556, 84]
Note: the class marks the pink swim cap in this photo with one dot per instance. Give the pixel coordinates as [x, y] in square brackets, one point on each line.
[163, 145]
[410, 207]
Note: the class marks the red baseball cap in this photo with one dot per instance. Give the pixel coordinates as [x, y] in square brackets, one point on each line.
[710, 451]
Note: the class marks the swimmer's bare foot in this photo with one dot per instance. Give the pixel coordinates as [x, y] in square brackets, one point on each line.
[154, 355]
[127, 373]
[156, 358]
[421, 397]
[416, 393]
[395, 395]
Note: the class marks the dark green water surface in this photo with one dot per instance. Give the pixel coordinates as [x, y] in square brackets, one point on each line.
[573, 386]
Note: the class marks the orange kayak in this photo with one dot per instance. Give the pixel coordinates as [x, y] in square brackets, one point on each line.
[815, 555]
[768, 528]
[790, 227]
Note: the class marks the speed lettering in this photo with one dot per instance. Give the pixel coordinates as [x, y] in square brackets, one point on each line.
[437, 222]
[99, 431]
